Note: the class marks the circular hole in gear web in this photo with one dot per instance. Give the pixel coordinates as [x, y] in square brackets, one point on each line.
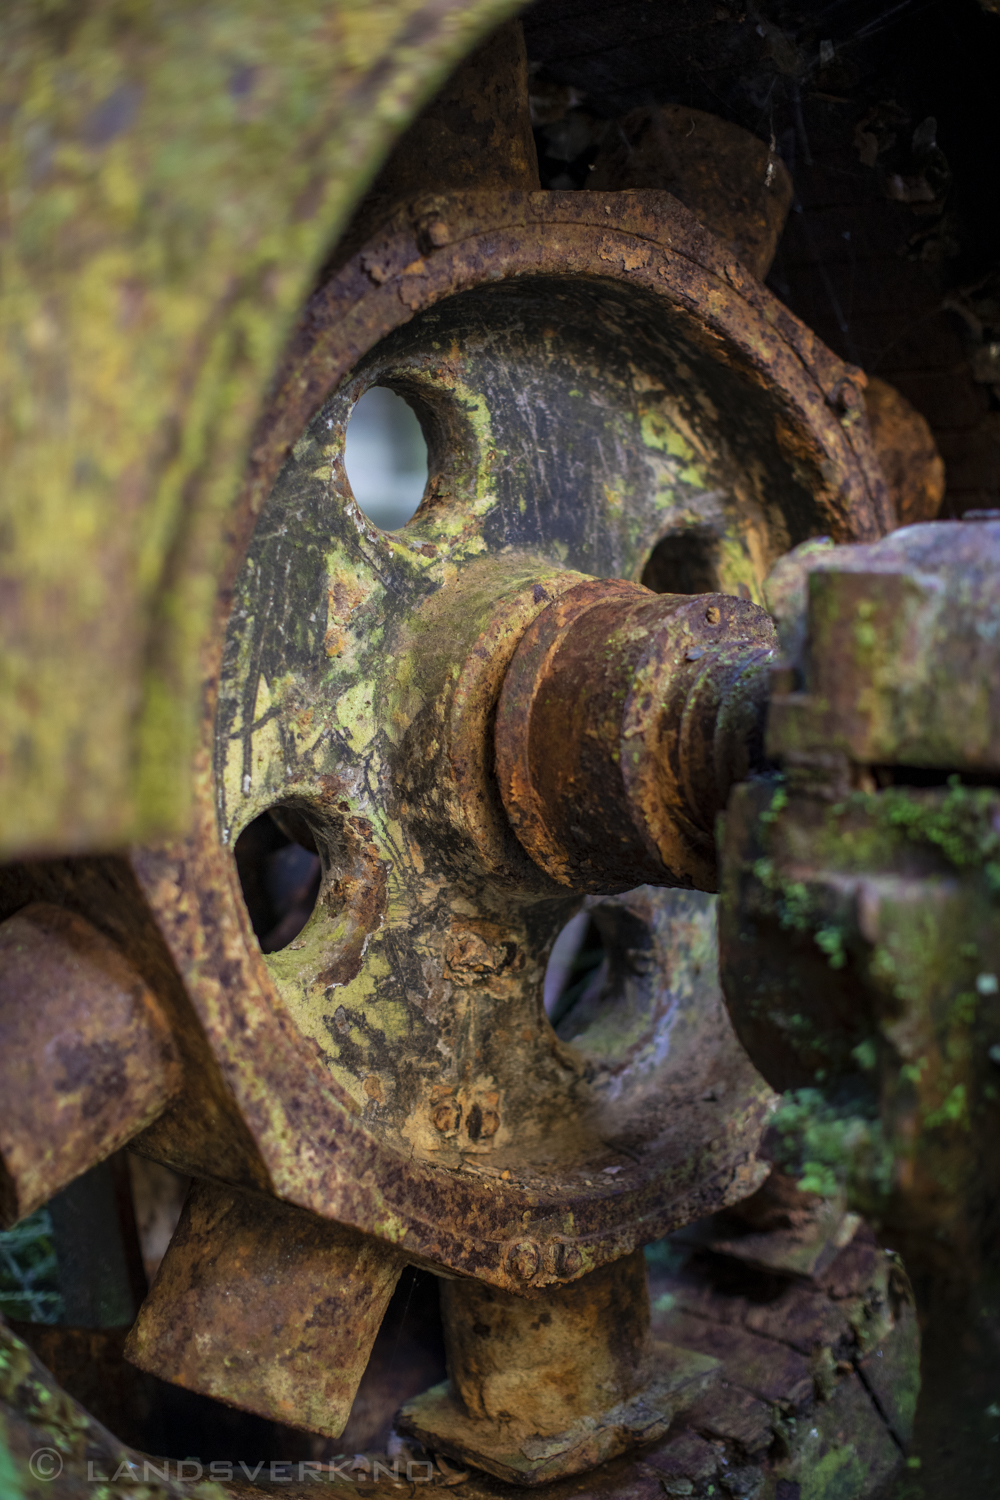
[577, 968]
[280, 874]
[684, 562]
[385, 455]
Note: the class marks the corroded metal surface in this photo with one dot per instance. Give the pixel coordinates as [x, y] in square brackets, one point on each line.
[859, 932]
[902, 665]
[87, 1058]
[537, 1392]
[667, 393]
[623, 722]
[595, 379]
[907, 453]
[590, 387]
[820, 1375]
[824, 478]
[730, 180]
[475, 133]
[816, 1388]
[105, 893]
[265, 1307]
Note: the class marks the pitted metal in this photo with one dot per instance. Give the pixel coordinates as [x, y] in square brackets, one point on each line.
[577, 413]
[859, 930]
[624, 721]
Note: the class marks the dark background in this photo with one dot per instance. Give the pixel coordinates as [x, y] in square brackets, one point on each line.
[904, 98]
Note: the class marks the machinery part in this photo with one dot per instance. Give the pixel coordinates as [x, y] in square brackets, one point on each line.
[258, 128]
[859, 932]
[817, 1382]
[480, 1115]
[105, 892]
[623, 722]
[87, 1058]
[392, 1066]
[900, 665]
[395, 616]
[817, 1376]
[474, 135]
[392, 1063]
[748, 436]
[534, 1396]
[907, 453]
[266, 1307]
[733, 183]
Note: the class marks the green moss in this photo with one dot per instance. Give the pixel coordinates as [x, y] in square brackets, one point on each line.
[963, 1008]
[831, 1148]
[961, 823]
[954, 1111]
[790, 903]
[778, 804]
[838, 1475]
[831, 941]
[865, 1054]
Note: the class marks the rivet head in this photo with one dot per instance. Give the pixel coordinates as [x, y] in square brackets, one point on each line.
[569, 1260]
[447, 1115]
[524, 1260]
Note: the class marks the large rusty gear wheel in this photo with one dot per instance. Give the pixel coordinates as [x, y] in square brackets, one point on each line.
[592, 376]
[602, 389]
[597, 381]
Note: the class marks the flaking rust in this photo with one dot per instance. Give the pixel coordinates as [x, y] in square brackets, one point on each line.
[595, 378]
[590, 383]
[265, 1307]
[87, 1057]
[468, 752]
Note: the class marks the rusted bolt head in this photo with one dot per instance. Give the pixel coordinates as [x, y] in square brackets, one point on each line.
[524, 1260]
[713, 614]
[482, 1122]
[438, 232]
[569, 1260]
[446, 1115]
